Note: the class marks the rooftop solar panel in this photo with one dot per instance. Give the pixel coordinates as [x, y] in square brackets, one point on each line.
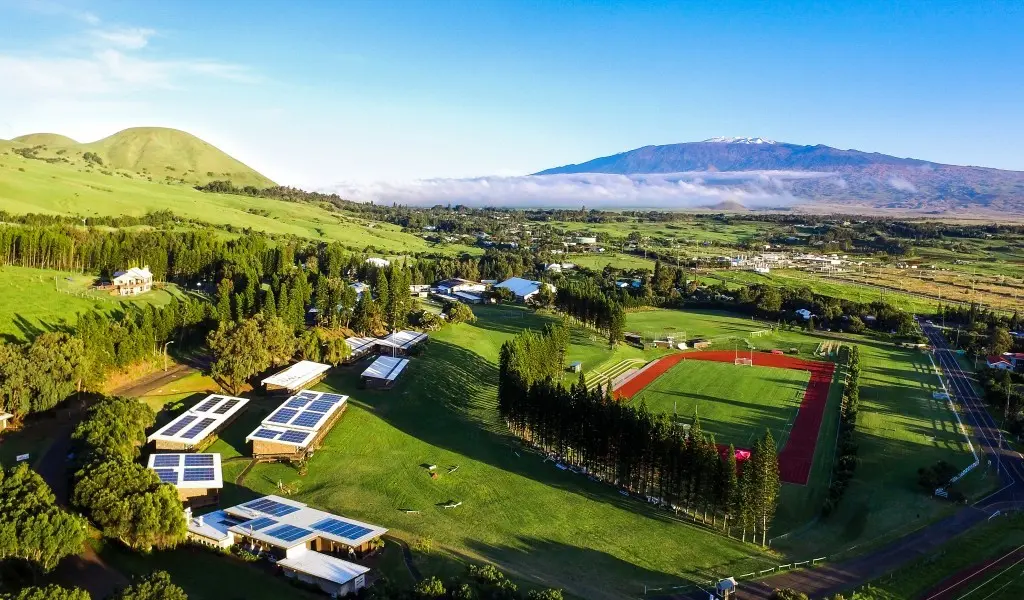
[198, 460]
[226, 407]
[343, 529]
[288, 533]
[207, 405]
[167, 475]
[197, 428]
[166, 460]
[295, 437]
[307, 394]
[260, 523]
[298, 402]
[182, 423]
[320, 406]
[271, 507]
[198, 474]
[307, 419]
[283, 415]
[333, 398]
[265, 433]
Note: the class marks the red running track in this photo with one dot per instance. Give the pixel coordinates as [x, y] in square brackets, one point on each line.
[797, 456]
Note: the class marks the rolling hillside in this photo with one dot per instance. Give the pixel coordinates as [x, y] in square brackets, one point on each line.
[155, 153]
[826, 175]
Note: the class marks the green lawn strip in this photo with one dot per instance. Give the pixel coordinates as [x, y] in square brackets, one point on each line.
[735, 403]
[540, 524]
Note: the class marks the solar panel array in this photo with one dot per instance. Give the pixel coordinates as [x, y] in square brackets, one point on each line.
[297, 402]
[320, 406]
[207, 404]
[342, 529]
[198, 474]
[226, 406]
[332, 398]
[265, 433]
[167, 475]
[167, 460]
[271, 507]
[198, 427]
[308, 419]
[198, 460]
[260, 523]
[295, 437]
[282, 415]
[288, 533]
[180, 424]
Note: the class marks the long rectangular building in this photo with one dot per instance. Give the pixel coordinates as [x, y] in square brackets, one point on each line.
[384, 371]
[303, 374]
[197, 477]
[198, 425]
[297, 426]
[401, 342]
[305, 542]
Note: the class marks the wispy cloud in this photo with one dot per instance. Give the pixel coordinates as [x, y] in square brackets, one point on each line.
[129, 38]
[753, 189]
[902, 185]
[55, 9]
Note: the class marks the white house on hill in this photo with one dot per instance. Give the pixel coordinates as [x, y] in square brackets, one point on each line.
[132, 282]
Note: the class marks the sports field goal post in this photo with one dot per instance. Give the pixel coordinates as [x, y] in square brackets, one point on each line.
[744, 361]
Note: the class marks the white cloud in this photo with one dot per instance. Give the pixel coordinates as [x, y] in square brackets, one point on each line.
[900, 184]
[753, 189]
[129, 38]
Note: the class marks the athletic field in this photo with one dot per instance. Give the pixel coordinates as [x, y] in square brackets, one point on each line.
[735, 403]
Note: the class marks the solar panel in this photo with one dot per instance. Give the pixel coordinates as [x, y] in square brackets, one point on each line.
[198, 460]
[288, 533]
[207, 405]
[166, 460]
[283, 415]
[271, 507]
[198, 427]
[343, 529]
[295, 437]
[307, 419]
[167, 475]
[260, 523]
[184, 422]
[298, 402]
[320, 406]
[198, 474]
[333, 398]
[265, 433]
[307, 394]
[226, 407]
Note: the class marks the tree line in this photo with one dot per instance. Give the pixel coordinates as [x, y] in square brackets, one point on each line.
[649, 455]
[585, 302]
[844, 464]
[155, 586]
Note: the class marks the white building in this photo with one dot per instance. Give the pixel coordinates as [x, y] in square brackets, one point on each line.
[132, 282]
[450, 286]
[380, 263]
[524, 289]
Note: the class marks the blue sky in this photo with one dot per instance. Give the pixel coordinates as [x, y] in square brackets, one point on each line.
[320, 92]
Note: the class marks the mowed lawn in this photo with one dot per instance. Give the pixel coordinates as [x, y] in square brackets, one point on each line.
[36, 300]
[539, 524]
[900, 428]
[735, 403]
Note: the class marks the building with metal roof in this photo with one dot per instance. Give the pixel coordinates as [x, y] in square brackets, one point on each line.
[523, 289]
[197, 477]
[303, 374]
[297, 427]
[360, 347]
[199, 425]
[384, 371]
[401, 342]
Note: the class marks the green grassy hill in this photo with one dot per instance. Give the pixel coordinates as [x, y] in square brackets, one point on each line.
[52, 183]
[155, 153]
[165, 152]
[45, 139]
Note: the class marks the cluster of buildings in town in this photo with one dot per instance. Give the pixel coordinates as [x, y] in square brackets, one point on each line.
[764, 262]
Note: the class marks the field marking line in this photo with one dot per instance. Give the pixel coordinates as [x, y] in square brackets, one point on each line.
[967, 577]
[990, 579]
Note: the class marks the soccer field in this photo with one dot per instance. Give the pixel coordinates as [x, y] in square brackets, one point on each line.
[735, 403]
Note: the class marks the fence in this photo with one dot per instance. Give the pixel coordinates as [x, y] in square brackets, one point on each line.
[676, 589]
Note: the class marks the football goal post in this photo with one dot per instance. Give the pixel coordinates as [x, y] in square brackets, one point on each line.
[744, 361]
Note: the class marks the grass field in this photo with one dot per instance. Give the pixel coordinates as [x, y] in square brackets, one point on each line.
[735, 403]
[536, 522]
[37, 300]
[34, 186]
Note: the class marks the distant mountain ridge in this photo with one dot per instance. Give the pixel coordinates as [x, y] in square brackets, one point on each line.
[157, 152]
[847, 177]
